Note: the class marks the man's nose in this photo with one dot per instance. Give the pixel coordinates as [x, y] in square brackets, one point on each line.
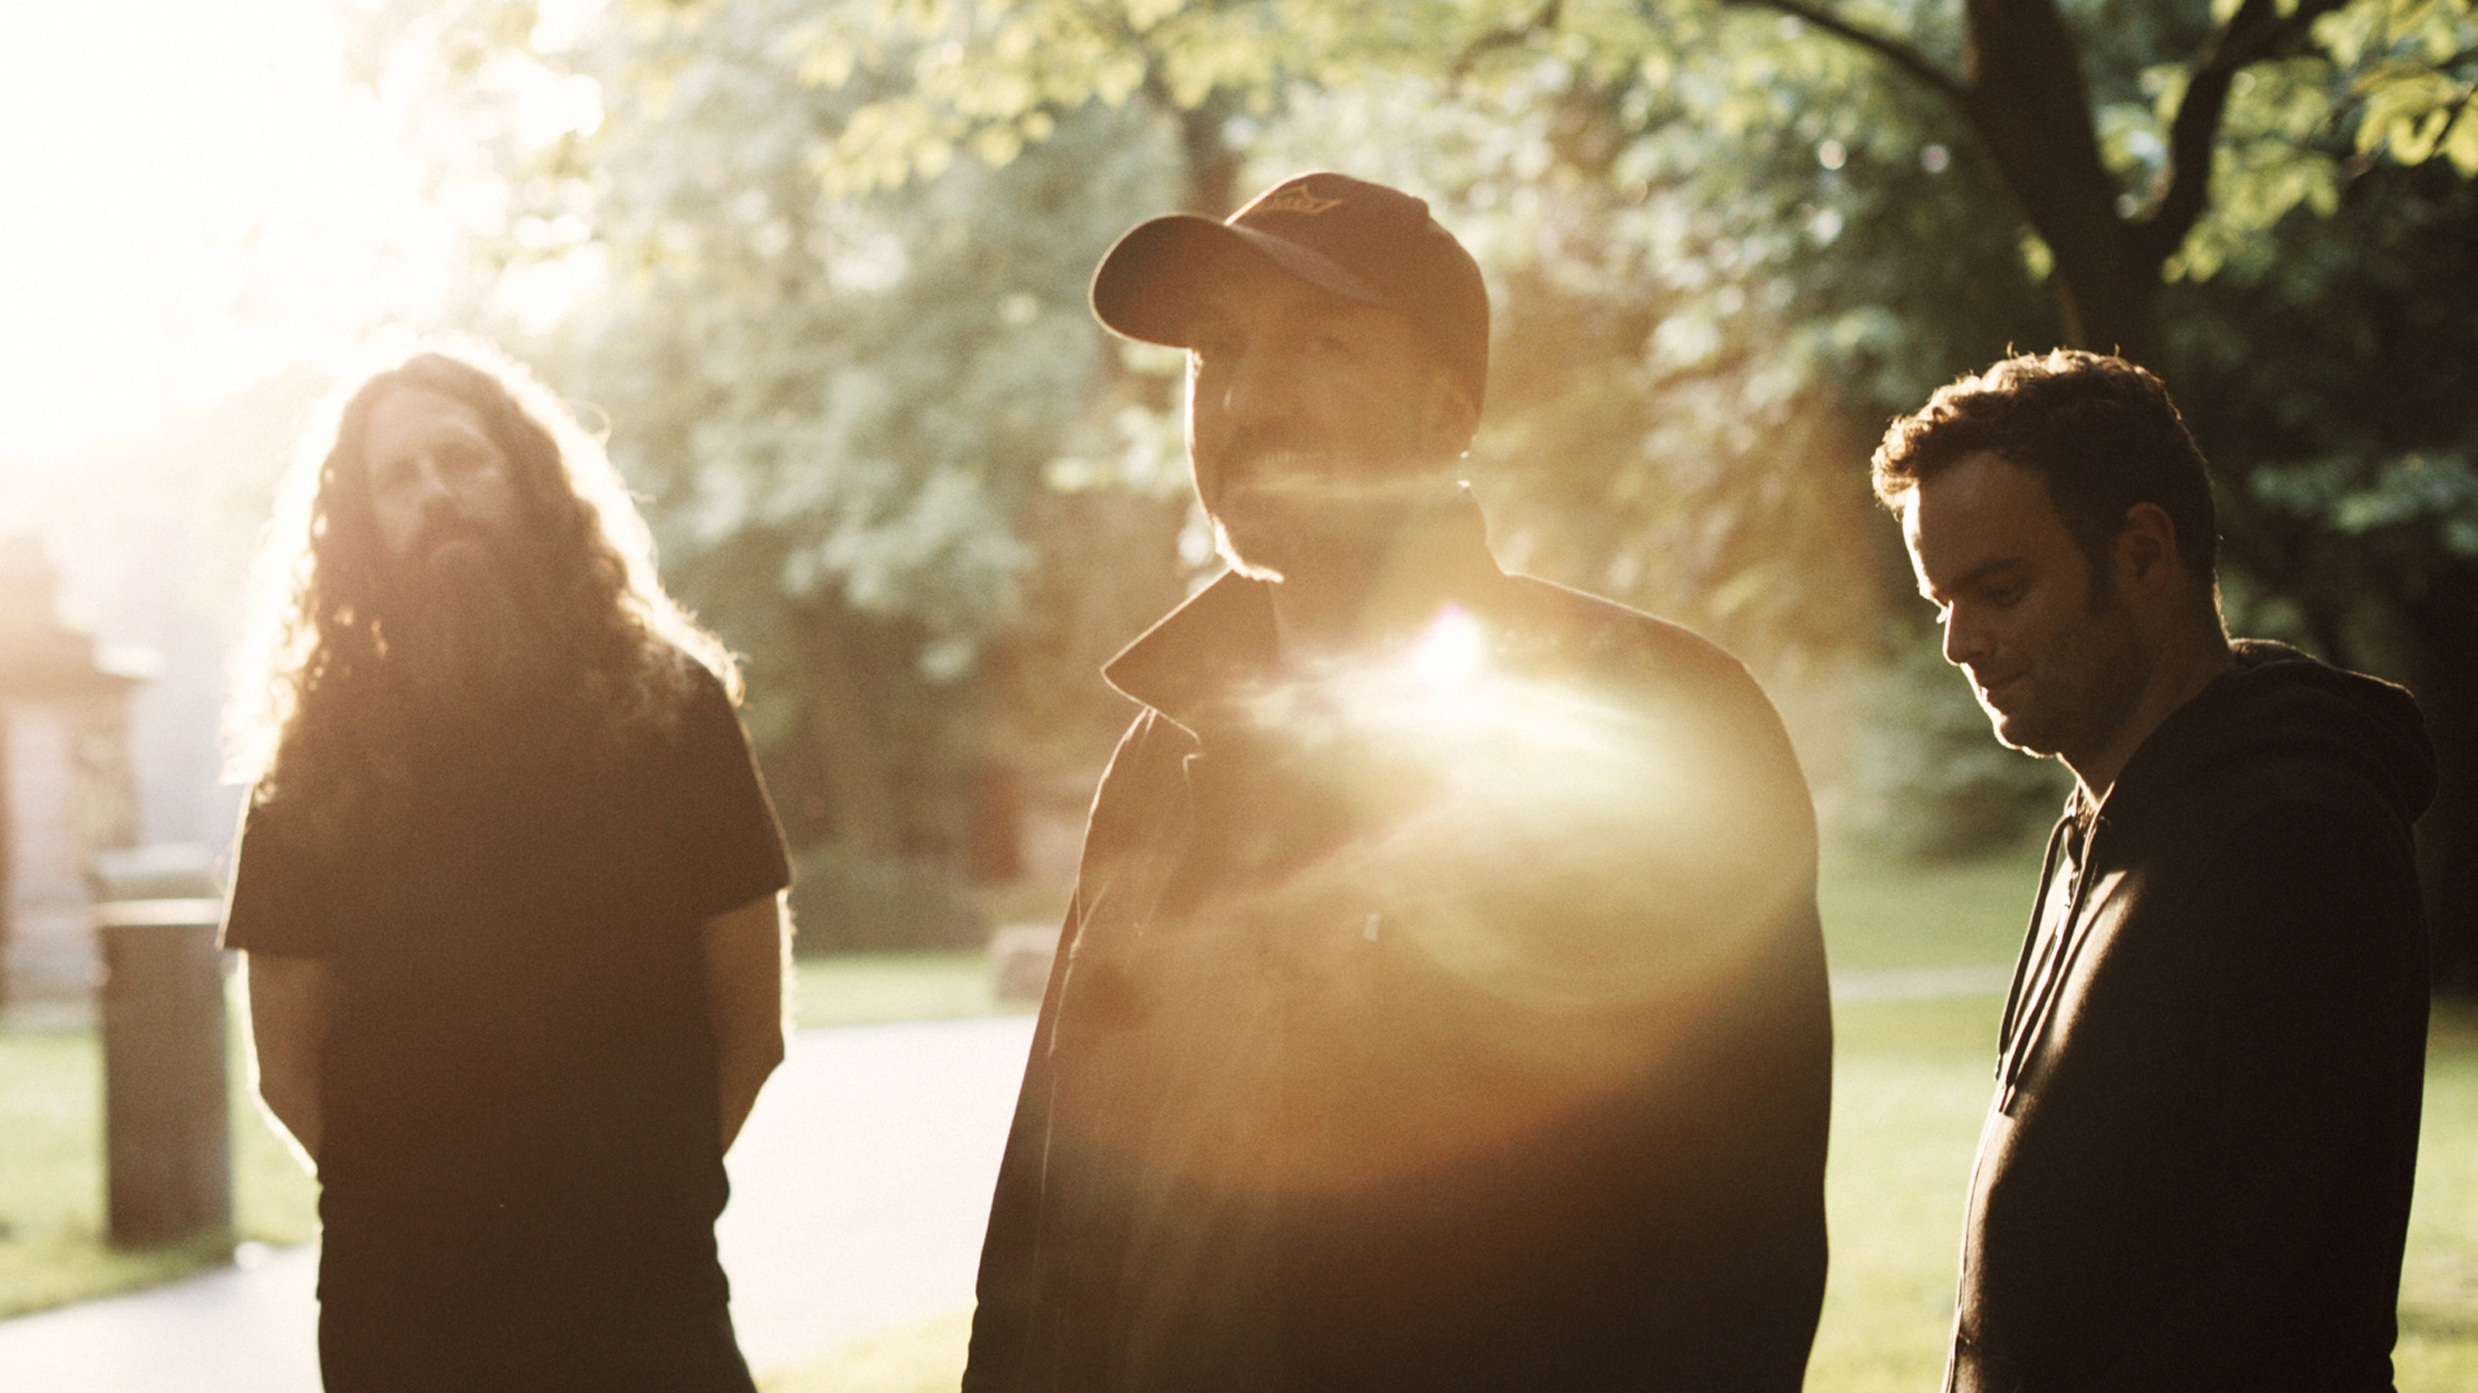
[1965, 640]
[430, 486]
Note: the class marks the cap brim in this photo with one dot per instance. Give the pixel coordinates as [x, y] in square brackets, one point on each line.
[1154, 281]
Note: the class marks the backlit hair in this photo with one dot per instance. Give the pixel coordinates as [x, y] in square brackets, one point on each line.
[2100, 431]
[311, 714]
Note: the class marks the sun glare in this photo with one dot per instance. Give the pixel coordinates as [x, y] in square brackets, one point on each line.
[196, 197]
[1449, 652]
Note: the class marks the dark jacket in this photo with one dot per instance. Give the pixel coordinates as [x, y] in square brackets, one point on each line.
[2198, 1169]
[1475, 1043]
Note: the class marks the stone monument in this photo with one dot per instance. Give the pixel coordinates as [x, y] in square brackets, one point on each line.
[66, 790]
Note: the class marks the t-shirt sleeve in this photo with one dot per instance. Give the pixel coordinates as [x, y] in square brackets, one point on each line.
[734, 845]
[281, 904]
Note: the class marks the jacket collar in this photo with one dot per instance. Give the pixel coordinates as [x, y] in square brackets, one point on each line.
[1222, 639]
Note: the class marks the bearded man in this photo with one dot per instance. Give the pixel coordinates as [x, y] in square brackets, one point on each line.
[1441, 1003]
[509, 889]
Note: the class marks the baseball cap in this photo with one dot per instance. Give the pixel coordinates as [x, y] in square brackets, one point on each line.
[1364, 241]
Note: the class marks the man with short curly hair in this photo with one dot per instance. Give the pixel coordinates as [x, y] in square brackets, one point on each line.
[2196, 1172]
[509, 888]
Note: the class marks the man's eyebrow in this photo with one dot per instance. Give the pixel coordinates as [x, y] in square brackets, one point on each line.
[1974, 576]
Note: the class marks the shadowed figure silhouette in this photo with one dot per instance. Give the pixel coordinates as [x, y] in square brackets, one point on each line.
[1441, 1004]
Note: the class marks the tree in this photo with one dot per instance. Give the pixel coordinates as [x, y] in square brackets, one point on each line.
[2028, 105]
[2282, 73]
[2331, 367]
[2113, 197]
[2030, 108]
[844, 404]
[839, 405]
[2141, 152]
[1705, 220]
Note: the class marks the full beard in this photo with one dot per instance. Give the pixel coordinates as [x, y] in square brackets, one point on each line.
[475, 662]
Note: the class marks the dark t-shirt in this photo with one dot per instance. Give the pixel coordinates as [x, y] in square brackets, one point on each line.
[520, 1055]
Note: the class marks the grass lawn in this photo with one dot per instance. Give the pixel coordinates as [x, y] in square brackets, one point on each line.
[1881, 915]
[2439, 1272]
[1911, 1083]
[923, 1358]
[51, 1178]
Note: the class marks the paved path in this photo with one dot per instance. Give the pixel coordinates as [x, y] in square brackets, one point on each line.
[859, 1191]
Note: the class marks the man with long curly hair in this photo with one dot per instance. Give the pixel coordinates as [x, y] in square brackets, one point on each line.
[510, 891]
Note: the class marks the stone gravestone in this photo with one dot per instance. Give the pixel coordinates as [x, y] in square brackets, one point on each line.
[65, 787]
[167, 1110]
[86, 917]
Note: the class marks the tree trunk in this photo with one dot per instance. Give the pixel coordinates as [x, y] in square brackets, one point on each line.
[2110, 306]
[2026, 102]
[1212, 165]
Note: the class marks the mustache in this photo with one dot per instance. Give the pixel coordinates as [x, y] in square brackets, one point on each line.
[1281, 460]
[1307, 478]
[440, 528]
[1249, 453]
[450, 553]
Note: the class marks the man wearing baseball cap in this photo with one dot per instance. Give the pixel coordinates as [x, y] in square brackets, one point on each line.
[1441, 1003]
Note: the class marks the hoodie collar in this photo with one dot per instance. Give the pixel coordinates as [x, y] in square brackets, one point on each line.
[2278, 699]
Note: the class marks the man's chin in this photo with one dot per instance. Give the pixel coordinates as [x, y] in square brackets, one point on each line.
[1253, 558]
[1270, 545]
[2014, 732]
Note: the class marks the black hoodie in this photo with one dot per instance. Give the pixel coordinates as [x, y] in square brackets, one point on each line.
[2197, 1171]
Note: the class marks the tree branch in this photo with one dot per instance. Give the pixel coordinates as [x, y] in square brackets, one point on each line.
[2254, 33]
[1507, 36]
[1894, 51]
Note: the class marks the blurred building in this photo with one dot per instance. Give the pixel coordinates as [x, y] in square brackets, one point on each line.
[66, 791]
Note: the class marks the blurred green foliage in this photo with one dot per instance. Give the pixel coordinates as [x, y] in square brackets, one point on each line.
[845, 901]
[2413, 67]
[838, 252]
[1928, 783]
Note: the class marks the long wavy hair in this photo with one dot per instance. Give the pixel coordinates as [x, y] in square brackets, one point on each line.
[315, 715]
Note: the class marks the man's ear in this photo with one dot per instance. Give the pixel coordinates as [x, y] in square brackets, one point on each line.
[2147, 558]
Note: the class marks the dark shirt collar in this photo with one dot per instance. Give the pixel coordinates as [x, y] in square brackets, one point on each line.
[1222, 638]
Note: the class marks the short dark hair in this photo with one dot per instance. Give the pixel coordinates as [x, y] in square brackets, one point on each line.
[2100, 431]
